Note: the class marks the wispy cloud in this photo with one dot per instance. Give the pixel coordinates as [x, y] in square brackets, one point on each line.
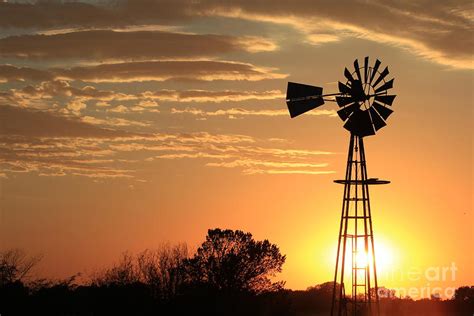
[240, 112]
[112, 121]
[47, 144]
[432, 29]
[279, 171]
[440, 31]
[140, 45]
[202, 70]
[48, 90]
[213, 96]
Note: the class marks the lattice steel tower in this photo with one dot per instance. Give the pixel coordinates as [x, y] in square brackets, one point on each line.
[364, 107]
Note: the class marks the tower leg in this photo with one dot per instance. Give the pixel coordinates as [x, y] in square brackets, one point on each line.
[337, 293]
[369, 217]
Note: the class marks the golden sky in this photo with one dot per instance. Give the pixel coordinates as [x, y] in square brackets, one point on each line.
[126, 124]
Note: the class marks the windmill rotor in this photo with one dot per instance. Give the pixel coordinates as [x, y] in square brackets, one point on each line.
[363, 98]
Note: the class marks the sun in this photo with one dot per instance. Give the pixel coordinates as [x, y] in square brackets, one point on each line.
[384, 256]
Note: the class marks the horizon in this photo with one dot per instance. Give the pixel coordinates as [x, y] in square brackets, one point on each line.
[125, 126]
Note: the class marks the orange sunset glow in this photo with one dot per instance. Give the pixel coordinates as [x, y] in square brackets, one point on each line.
[132, 125]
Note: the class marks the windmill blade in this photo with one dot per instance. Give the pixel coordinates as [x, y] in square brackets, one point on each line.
[382, 110]
[343, 101]
[387, 85]
[357, 91]
[374, 70]
[357, 70]
[387, 99]
[348, 75]
[359, 123]
[366, 68]
[343, 88]
[383, 74]
[347, 111]
[301, 98]
[376, 119]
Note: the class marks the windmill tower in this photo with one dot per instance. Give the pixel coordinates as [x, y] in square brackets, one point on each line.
[364, 107]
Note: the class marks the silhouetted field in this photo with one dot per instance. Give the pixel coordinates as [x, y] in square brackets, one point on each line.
[230, 274]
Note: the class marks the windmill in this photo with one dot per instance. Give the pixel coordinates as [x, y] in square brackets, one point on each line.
[364, 107]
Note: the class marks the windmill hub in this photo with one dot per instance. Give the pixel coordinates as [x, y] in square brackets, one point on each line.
[364, 108]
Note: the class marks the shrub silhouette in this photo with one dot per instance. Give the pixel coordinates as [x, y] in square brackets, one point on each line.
[161, 271]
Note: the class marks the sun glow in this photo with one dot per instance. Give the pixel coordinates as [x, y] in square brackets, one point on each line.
[384, 256]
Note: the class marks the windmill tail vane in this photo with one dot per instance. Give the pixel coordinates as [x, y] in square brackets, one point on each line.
[364, 107]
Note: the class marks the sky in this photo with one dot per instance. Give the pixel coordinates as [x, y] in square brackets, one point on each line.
[128, 124]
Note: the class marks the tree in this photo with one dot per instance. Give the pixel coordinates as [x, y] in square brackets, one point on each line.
[233, 260]
[162, 269]
[123, 273]
[15, 266]
[464, 294]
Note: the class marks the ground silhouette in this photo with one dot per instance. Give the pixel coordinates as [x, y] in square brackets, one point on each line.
[230, 274]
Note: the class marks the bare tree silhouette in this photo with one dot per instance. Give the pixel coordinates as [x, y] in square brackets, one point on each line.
[125, 272]
[163, 269]
[15, 266]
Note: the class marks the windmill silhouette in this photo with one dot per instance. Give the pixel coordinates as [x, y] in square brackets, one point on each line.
[364, 107]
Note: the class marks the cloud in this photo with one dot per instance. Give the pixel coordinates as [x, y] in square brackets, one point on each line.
[113, 121]
[273, 164]
[52, 145]
[239, 112]
[76, 106]
[202, 70]
[213, 96]
[167, 70]
[118, 109]
[12, 73]
[436, 30]
[148, 104]
[319, 38]
[102, 104]
[48, 94]
[62, 88]
[253, 166]
[49, 14]
[279, 171]
[49, 145]
[191, 156]
[44, 124]
[140, 45]
[136, 108]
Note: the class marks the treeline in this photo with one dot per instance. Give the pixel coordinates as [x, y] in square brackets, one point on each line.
[230, 274]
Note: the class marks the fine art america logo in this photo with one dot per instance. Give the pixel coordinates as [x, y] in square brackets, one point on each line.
[434, 274]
